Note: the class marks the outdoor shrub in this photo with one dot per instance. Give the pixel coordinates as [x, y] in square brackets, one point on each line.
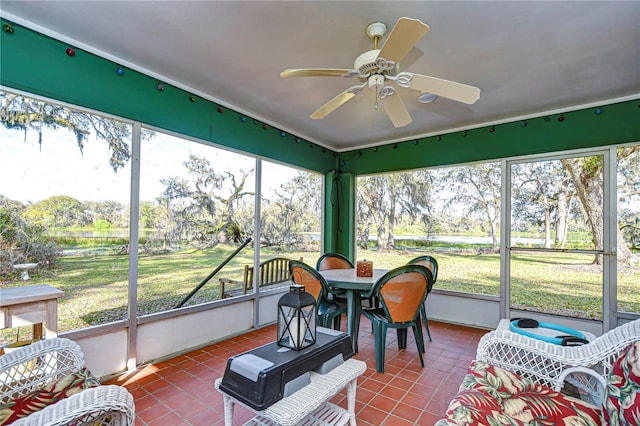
[22, 242]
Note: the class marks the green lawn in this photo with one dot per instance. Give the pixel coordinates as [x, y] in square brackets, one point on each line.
[95, 286]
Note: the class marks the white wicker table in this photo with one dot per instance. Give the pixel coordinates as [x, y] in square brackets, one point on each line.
[309, 405]
[31, 305]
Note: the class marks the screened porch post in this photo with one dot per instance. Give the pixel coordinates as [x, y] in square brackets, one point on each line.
[339, 213]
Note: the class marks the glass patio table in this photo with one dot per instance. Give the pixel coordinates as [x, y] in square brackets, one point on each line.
[355, 287]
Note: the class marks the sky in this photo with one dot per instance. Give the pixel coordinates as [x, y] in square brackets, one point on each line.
[33, 172]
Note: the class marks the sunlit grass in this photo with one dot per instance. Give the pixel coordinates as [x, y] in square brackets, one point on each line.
[96, 286]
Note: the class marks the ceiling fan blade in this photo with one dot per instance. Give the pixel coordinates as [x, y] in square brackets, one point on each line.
[332, 105]
[395, 109]
[411, 57]
[405, 34]
[445, 88]
[316, 72]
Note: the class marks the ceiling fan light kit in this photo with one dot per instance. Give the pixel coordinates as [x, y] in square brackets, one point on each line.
[379, 66]
[376, 81]
[426, 98]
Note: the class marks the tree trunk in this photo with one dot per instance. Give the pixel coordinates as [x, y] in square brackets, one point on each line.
[494, 235]
[364, 238]
[383, 244]
[561, 218]
[392, 215]
[547, 226]
[589, 190]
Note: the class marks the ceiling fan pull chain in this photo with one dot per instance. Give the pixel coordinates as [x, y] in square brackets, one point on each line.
[375, 105]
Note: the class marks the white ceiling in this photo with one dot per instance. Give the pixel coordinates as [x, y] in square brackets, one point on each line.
[528, 58]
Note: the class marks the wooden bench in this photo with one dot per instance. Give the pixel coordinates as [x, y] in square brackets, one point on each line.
[272, 272]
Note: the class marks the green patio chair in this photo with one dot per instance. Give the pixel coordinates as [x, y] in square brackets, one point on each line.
[329, 311]
[401, 293]
[430, 263]
[333, 261]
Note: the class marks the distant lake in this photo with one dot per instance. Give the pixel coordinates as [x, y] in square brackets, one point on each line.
[123, 233]
[105, 233]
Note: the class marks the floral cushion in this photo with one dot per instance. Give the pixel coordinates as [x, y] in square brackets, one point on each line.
[621, 405]
[50, 394]
[493, 396]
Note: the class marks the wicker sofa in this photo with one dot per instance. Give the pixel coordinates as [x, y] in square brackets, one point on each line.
[520, 380]
[46, 383]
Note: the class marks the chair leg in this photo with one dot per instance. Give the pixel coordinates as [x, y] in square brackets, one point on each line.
[423, 314]
[402, 338]
[380, 338]
[418, 336]
[324, 321]
[336, 322]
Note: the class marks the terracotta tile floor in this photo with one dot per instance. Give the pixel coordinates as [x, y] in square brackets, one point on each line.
[180, 391]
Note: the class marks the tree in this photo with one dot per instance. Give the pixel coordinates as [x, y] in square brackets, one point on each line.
[629, 194]
[292, 211]
[58, 211]
[565, 206]
[114, 213]
[477, 190]
[11, 205]
[374, 206]
[385, 200]
[171, 218]
[219, 194]
[419, 190]
[587, 177]
[23, 113]
[203, 204]
[22, 241]
[542, 195]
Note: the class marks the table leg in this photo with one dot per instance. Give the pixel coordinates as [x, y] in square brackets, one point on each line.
[351, 401]
[52, 319]
[37, 331]
[354, 309]
[228, 410]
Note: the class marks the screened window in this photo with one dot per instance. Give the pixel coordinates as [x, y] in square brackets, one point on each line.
[291, 213]
[64, 206]
[628, 266]
[196, 208]
[452, 214]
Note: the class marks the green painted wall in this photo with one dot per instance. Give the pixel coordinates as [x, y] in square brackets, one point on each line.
[37, 64]
[607, 125]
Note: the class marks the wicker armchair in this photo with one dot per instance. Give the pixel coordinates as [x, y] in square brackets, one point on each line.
[524, 380]
[552, 365]
[44, 364]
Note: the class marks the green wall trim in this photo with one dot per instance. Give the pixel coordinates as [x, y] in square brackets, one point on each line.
[591, 127]
[38, 64]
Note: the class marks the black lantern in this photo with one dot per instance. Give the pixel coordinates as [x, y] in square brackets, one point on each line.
[296, 319]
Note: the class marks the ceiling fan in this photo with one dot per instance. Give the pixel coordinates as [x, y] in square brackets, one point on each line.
[378, 67]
